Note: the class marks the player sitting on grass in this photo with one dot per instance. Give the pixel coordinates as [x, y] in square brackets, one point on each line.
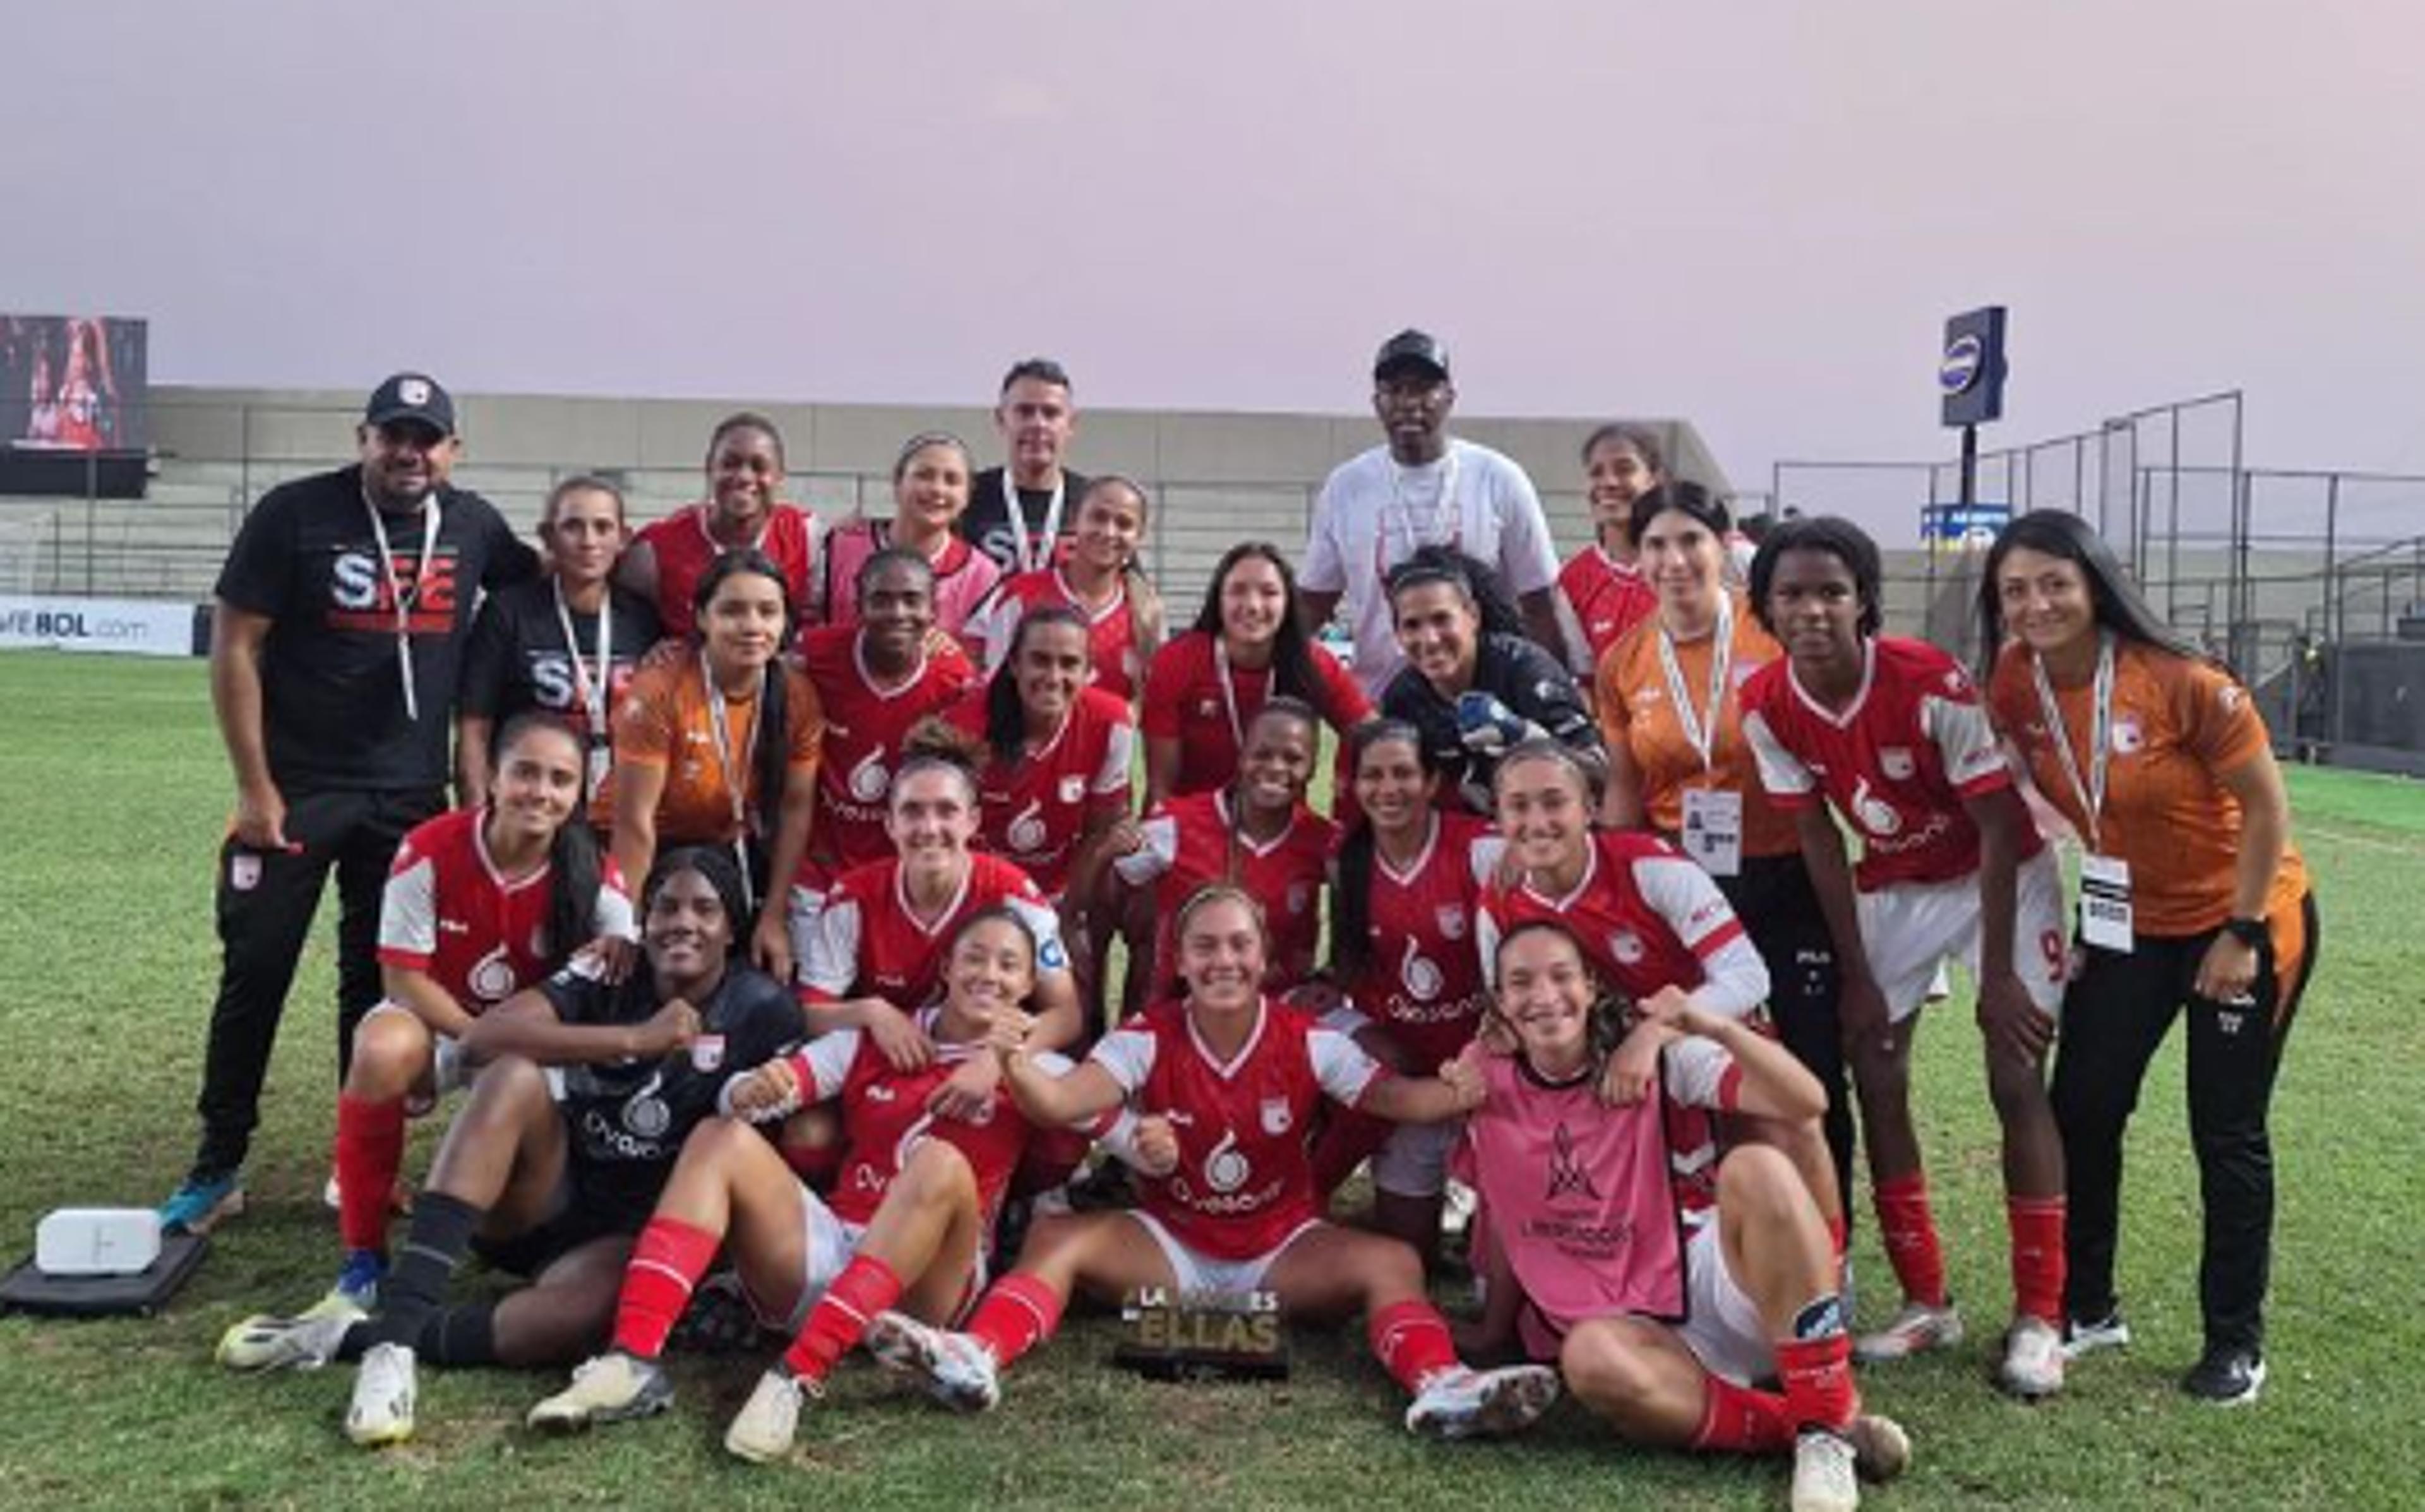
[907, 1221]
[588, 1090]
[1663, 1300]
[1226, 1083]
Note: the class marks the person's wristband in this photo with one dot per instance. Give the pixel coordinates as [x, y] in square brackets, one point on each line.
[2248, 931]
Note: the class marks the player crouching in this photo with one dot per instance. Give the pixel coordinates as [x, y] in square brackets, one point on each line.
[1227, 1082]
[1663, 1302]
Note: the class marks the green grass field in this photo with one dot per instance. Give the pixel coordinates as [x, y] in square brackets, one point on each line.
[112, 795]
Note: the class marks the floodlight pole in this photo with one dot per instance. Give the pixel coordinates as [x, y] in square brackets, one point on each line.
[1969, 467]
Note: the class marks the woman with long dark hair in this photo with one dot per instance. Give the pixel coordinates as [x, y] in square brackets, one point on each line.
[2193, 904]
[758, 722]
[1207, 684]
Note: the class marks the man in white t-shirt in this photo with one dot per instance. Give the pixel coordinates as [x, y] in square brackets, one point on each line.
[1422, 488]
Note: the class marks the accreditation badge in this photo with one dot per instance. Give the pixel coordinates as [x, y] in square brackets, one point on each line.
[1713, 833]
[2105, 902]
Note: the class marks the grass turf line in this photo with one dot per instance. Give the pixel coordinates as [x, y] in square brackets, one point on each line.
[113, 793]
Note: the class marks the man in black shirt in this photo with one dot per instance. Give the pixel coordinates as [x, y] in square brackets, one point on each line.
[340, 621]
[1036, 418]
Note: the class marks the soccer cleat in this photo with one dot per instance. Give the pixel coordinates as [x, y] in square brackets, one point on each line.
[2087, 1337]
[201, 1200]
[382, 1410]
[611, 1388]
[358, 1279]
[307, 1340]
[1825, 1477]
[1464, 1403]
[2033, 1360]
[1917, 1328]
[955, 1369]
[764, 1429]
[2226, 1376]
[1881, 1450]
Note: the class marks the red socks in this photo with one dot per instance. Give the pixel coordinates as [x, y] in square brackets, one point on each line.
[1910, 1238]
[865, 1287]
[1018, 1313]
[1410, 1339]
[370, 1150]
[1741, 1420]
[667, 1259]
[2036, 1224]
[1818, 1379]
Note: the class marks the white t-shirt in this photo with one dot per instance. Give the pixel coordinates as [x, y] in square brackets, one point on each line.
[1373, 514]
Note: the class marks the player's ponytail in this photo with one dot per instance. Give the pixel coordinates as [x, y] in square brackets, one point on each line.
[1351, 901]
[575, 872]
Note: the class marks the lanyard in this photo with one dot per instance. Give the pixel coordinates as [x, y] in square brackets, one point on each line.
[397, 594]
[2100, 733]
[1229, 692]
[591, 691]
[1701, 731]
[1032, 556]
[736, 784]
[1444, 504]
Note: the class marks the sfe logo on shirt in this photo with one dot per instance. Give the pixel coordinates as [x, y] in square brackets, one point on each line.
[361, 600]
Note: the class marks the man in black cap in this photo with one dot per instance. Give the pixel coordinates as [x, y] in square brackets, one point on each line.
[335, 640]
[1424, 488]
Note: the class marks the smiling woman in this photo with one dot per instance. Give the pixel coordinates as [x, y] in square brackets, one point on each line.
[744, 510]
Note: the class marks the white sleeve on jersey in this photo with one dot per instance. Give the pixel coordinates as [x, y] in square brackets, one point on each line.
[613, 916]
[1780, 772]
[1684, 896]
[1154, 857]
[1698, 1073]
[409, 911]
[1340, 1065]
[827, 1059]
[1045, 924]
[1119, 751]
[993, 622]
[1484, 856]
[1128, 1054]
[829, 951]
[1963, 738]
[1486, 944]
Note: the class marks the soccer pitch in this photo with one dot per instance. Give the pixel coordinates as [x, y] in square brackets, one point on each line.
[113, 793]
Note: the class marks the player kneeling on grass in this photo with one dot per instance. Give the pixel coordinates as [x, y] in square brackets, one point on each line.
[908, 1220]
[479, 904]
[1663, 1301]
[1226, 1083]
[588, 1090]
[1894, 735]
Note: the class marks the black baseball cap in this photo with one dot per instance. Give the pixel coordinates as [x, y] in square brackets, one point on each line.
[411, 396]
[1411, 348]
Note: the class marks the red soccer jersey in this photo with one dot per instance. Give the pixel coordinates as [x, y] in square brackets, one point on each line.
[1111, 634]
[479, 934]
[864, 727]
[1191, 842]
[869, 942]
[1185, 701]
[1244, 1183]
[1646, 918]
[684, 552]
[1037, 808]
[1607, 596]
[1424, 978]
[884, 1116]
[1898, 762]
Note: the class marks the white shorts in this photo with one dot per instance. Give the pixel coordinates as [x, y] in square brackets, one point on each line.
[1910, 928]
[1198, 1274]
[827, 1243]
[1723, 1328]
[448, 1071]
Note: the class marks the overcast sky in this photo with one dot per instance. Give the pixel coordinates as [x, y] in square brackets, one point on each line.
[1755, 213]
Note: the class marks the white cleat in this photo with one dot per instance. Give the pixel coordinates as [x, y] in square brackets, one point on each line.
[307, 1340]
[1917, 1328]
[1464, 1403]
[614, 1387]
[2034, 1359]
[955, 1370]
[1824, 1477]
[768, 1423]
[381, 1410]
